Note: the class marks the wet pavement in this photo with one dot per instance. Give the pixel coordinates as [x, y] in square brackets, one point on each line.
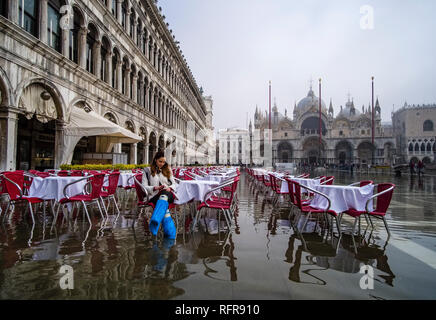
[261, 257]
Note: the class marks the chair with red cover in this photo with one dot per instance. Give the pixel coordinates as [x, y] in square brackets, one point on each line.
[384, 197]
[96, 183]
[109, 194]
[13, 183]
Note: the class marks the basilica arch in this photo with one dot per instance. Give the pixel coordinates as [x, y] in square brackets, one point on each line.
[313, 152]
[344, 152]
[285, 152]
[366, 152]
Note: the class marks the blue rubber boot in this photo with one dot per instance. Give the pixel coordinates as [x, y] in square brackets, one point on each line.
[158, 214]
[169, 228]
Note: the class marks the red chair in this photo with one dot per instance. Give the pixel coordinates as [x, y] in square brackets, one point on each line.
[218, 203]
[328, 181]
[63, 173]
[306, 208]
[109, 194]
[13, 183]
[76, 173]
[384, 197]
[361, 183]
[276, 187]
[96, 182]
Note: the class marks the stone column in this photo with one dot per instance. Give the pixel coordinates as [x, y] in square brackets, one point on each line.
[135, 26]
[66, 42]
[82, 47]
[127, 27]
[119, 13]
[8, 143]
[146, 146]
[127, 88]
[119, 76]
[59, 145]
[96, 57]
[109, 68]
[133, 153]
[141, 93]
[13, 11]
[135, 88]
[43, 21]
[117, 148]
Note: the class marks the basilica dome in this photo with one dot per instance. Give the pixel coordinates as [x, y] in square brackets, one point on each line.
[349, 111]
[311, 102]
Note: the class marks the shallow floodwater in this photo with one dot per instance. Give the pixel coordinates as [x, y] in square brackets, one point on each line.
[261, 257]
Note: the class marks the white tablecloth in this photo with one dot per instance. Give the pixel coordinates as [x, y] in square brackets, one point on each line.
[53, 187]
[122, 180]
[188, 190]
[343, 197]
[211, 178]
[311, 183]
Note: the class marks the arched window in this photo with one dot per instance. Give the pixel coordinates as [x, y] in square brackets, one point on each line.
[114, 9]
[428, 125]
[115, 59]
[429, 147]
[4, 8]
[104, 53]
[91, 38]
[422, 147]
[74, 36]
[124, 14]
[124, 75]
[138, 33]
[28, 16]
[416, 147]
[410, 147]
[53, 28]
[132, 24]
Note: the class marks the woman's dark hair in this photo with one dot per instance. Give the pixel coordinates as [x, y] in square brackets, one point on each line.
[166, 171]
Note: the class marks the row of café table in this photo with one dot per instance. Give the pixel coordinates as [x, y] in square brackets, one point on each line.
[342, 198]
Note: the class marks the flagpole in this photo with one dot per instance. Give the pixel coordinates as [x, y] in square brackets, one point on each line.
[319, 146]
[269, 105]
[372, 115]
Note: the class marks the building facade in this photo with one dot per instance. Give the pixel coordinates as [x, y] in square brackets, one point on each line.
[345, 138]
[415, 133]
[233, 146]
[117, 64]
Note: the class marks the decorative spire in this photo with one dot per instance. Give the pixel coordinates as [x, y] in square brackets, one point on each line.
[377, 108]
[331, 107]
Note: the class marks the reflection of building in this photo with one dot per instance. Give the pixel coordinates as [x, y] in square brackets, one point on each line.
[119, 62]
[346, 137]
[415, 133]
[234, 146]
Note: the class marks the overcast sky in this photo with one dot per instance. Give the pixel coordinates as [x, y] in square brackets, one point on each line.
[234, 47]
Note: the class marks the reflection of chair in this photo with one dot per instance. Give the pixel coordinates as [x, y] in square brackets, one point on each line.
[384, 196]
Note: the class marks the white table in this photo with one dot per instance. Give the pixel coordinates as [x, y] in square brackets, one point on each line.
[188, 190]
[311, 183]
[123, 180]
[53, 187]
[343, 197]
[211, 178]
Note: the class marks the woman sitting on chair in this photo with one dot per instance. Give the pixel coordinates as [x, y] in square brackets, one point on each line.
[160, 185]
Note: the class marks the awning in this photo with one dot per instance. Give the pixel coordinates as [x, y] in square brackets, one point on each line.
[85, 124]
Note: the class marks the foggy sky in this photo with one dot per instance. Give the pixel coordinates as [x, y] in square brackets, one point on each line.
[234, 47]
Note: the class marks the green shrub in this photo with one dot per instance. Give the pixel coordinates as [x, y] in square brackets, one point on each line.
[102, 166]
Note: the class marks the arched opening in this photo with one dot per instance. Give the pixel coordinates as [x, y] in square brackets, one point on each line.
[78, 22]
[344, 152]
[314, 151]
[141, 146]
[429, 147]
[284, 152]
[124, 14]
[124, 74]
[91, 39]
[132, 24]
[426, 160]
[138, 32]
[416, 147]
[388, 153]
[365, 152]
[127, 147]
[116, 60]
[36, 131]
[54, 35]
[161, 144]
[410, 147]
[28, 16]
[144, 41]
[428, 125]
[105, 56]
[4, 8]
[422, 147]
[152, 146]
[114, 9]
[311, 126]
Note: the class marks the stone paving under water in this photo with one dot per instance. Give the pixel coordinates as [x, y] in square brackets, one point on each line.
[261, 257]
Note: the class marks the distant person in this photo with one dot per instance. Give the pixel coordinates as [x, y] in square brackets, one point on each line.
[420, 167]
[412, 167]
